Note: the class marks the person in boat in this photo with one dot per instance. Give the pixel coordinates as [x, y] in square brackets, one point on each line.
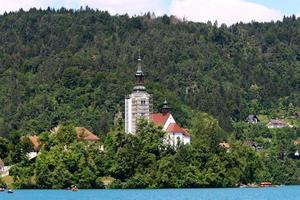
[74, 188]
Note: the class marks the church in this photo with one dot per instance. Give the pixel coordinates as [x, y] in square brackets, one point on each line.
[138, 105]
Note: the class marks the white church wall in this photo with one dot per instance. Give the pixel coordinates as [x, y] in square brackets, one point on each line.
[174, 138]
[128, 115]
[186, 140]
[168, 122]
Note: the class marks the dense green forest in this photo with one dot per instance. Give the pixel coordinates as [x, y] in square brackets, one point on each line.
[75, 67]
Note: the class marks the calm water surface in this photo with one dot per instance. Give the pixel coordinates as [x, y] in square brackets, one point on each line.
[281, 193]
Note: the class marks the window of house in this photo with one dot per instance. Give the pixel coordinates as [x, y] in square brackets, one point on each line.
[143, 102]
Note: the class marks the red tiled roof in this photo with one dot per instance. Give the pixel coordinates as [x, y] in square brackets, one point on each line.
[173, 127]
[186, 133]
[35, 142]
[225, 145]
[296, 142]
[85, 134]
[159, 118]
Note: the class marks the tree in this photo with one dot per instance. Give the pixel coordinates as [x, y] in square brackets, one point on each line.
[206, 128]
[23, 175]
[5, 147]
[66, 134]
[21, 150]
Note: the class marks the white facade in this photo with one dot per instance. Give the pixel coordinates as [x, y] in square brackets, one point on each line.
[137, 106]
[175, 137]
[138, 103]
[168, 122]
[187, 139]
[32, 155]
[174, 133]
[275, 123]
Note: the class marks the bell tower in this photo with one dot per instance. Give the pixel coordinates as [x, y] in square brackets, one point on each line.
[138, 103]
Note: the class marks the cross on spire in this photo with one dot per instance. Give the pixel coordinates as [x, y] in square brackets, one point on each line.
[139, 76]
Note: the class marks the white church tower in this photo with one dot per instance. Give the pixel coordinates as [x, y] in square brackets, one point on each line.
[138, 104]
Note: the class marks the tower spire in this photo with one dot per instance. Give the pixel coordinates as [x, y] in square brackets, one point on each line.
[139, 76]
[165, 108]
[139, 54]
[139, 65]
[138, 103]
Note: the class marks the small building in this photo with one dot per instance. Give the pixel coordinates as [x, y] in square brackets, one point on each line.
[297, 142]
[81, 132]
[253, 145]
[278, 123]
[297, 114]
[253, 119]
[86, 135]
[37, 145]
[175, 134]
[225, 145]
[1, 165]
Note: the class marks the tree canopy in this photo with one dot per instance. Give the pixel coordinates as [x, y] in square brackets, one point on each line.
[74, 67]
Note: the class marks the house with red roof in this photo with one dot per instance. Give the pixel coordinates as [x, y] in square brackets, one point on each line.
[86, 135]
[175, 133]
[138, 105]
[82, 134]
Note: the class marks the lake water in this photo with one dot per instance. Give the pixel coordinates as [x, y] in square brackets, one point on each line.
[280, 193]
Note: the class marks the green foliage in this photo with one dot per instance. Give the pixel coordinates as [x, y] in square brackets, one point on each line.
[206, 128]
[74, 67]
[2, 183]
[144, 160]
[80, 70]
[23, 173]
[247, 131]
[65, 135]
[20, 150]
[62, 167]
[4, 148]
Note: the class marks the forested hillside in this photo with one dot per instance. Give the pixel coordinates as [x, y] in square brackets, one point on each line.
[77, 66]
[74, 68]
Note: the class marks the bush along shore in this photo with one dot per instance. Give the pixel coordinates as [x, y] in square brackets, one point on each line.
[144, 160]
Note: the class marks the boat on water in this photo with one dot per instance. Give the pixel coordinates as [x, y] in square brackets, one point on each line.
[267, 184]
[261, 185]
[248, 186]
[10, 191]
[74, 188]
[243, 186]
[2, 189]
